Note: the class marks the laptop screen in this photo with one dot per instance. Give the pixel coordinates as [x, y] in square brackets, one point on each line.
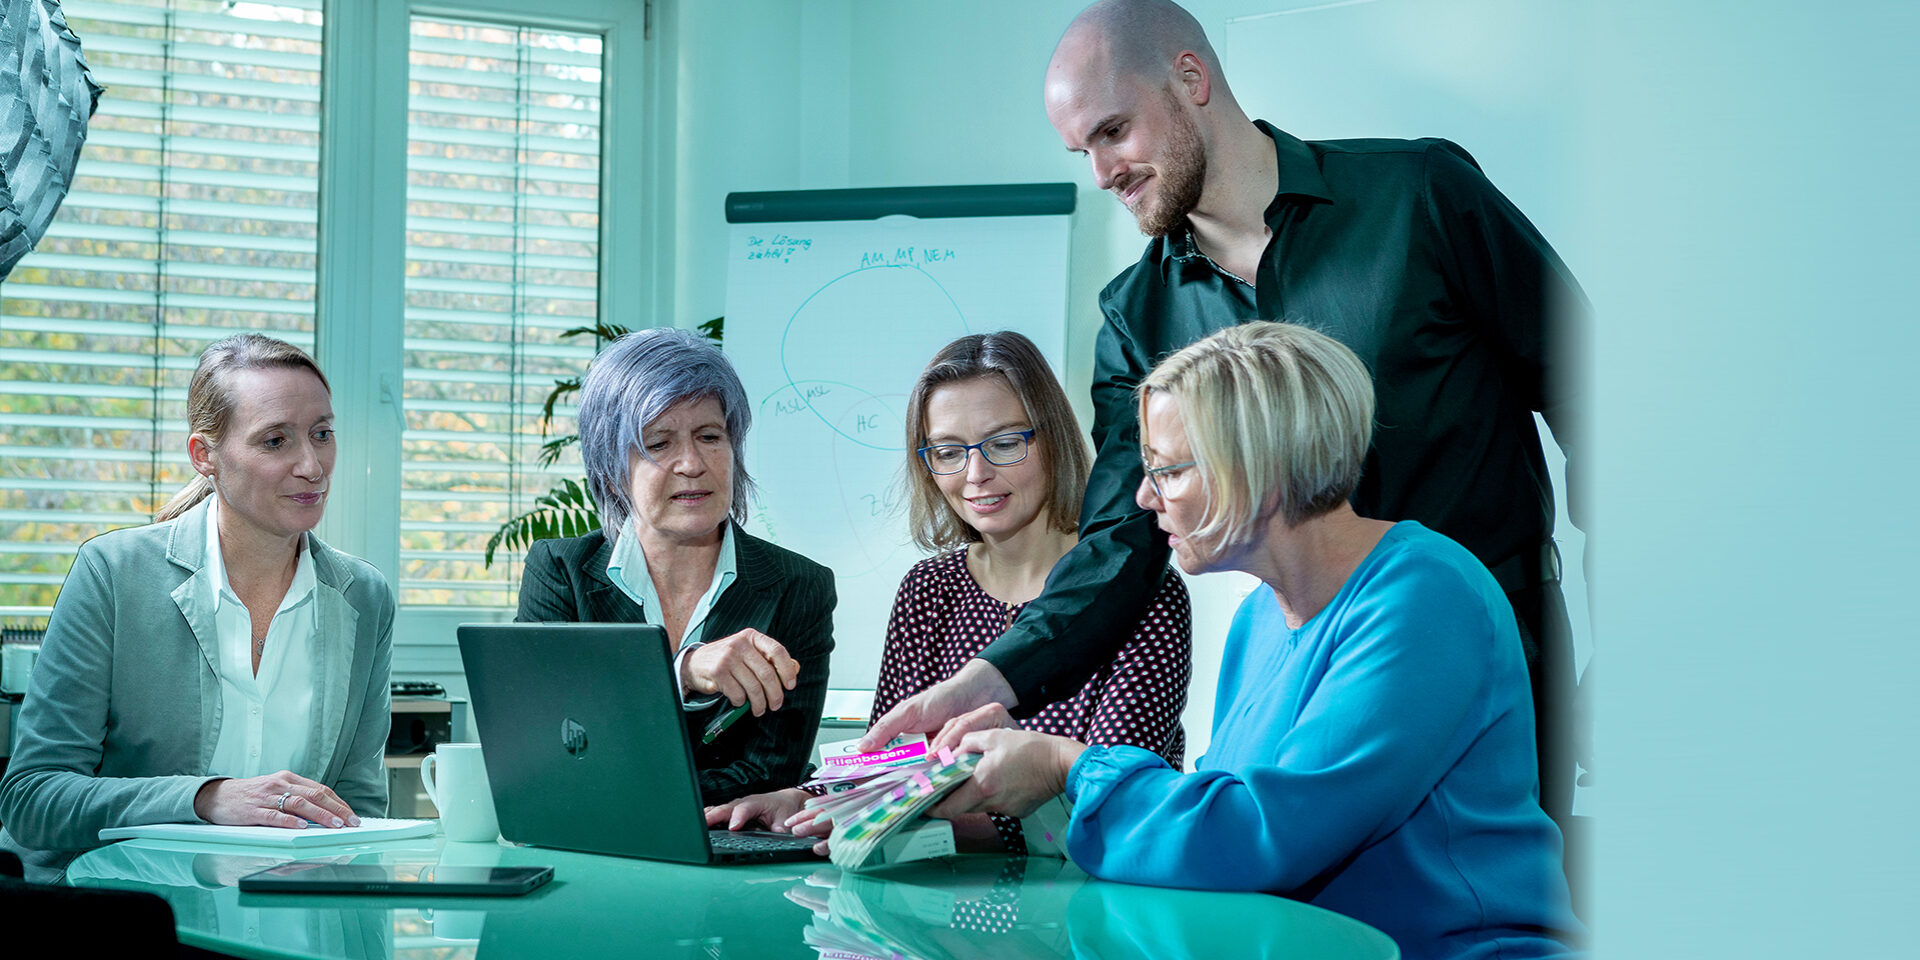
[584, 738]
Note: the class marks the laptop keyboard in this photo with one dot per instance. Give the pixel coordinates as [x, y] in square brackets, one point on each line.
[756, 842]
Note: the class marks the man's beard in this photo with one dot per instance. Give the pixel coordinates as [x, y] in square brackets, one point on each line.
[1183, 175]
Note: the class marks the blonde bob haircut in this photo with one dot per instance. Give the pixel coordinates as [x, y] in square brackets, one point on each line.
[1278, 419]
[1012, 359]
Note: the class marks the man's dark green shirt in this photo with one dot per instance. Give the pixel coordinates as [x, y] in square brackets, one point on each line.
[1403, 251]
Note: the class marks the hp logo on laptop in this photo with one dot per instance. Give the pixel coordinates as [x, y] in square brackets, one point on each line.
[574, 737]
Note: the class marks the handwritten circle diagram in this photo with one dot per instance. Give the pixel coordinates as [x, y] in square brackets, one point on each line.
[834, 430]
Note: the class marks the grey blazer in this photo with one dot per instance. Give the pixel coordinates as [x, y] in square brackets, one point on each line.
[123, 711]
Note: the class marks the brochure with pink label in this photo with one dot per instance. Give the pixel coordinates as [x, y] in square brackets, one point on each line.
[842, 760]
[881, 820]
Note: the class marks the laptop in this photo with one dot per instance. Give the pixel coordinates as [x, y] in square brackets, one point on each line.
[587, 748]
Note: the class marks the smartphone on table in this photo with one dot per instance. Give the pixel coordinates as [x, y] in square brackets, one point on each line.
[389, 879]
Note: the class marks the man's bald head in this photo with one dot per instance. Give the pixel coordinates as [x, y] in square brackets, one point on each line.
[1135, 87]
[1138, 38]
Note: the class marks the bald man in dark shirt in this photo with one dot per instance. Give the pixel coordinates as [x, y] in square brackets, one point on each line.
[1400, 249]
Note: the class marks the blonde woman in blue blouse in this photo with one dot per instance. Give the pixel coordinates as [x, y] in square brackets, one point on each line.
[1372, 748]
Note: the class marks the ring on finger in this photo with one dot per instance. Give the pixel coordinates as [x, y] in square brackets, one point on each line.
[280, 803]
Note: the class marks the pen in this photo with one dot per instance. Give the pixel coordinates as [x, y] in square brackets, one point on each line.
[722, 722]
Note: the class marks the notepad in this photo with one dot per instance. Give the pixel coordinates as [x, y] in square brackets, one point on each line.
[370, 830]
[848, 705]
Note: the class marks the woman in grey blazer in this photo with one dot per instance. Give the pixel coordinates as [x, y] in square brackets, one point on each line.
[221, 665]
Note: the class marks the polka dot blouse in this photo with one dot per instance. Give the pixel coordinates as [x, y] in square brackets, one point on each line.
[942, 618]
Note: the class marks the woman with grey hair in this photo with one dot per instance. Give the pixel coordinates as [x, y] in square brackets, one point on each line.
[663, 420]
[1372, 748]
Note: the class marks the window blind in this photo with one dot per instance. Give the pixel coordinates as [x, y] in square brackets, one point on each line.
[503, 188]
[192, 216]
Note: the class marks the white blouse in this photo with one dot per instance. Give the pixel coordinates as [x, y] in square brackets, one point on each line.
[266, 720]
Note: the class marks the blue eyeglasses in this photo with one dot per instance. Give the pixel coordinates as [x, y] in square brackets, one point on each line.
[1001, 450]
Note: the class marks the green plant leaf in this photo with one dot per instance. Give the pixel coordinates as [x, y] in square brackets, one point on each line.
[562, 388]
[551, 450]
[567, 510]
[600, 329]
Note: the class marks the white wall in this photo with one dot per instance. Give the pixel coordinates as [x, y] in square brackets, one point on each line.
[1731, 183]
[832, 93]
[1752, 207]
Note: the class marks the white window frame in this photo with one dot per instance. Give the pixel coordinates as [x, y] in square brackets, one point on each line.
[361, 297]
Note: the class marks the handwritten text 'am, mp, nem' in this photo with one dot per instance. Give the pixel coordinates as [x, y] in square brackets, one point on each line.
[905, 256]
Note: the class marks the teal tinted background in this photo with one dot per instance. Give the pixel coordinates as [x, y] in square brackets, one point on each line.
[1749, 189]
[1732, 181]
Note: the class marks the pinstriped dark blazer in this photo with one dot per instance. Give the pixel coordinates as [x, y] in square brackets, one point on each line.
[777, 592]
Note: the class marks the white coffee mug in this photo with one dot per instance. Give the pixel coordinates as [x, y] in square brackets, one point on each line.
[462, 795]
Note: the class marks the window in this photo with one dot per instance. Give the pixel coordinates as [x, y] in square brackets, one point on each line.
[250, 167]
[503, 230]
[192, 216]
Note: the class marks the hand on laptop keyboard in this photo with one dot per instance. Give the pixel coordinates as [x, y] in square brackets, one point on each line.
[768, 811]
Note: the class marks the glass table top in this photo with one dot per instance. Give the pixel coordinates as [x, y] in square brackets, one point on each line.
[962, 907]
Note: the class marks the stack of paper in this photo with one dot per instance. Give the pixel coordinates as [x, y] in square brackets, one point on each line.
[882, 820]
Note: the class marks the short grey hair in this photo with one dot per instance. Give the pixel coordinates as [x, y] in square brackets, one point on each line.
[1278, 419]
[629, 385]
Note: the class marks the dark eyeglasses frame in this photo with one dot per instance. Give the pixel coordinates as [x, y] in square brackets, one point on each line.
[1155, 473]
[1026, 437]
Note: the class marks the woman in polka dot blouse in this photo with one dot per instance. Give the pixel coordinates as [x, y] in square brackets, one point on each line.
[998, 470]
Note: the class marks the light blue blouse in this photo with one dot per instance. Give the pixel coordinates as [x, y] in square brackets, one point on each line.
[627, 568]
[1378, 761]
